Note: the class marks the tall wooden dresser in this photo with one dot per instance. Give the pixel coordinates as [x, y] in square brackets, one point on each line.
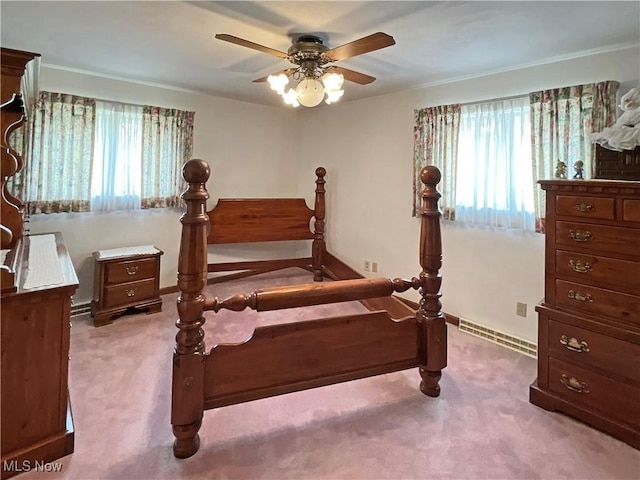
[37, 281]
[37, 426]
[589, 321]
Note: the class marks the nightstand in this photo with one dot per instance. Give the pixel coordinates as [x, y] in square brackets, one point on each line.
[127, 280]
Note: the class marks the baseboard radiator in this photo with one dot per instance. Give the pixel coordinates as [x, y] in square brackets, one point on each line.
[509, 341]
[80, 309]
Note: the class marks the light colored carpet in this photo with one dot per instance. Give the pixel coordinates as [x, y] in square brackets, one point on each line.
[481, 427]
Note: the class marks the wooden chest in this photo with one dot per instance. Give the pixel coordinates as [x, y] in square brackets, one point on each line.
[614, 165]
[589, 321]
[126, 281]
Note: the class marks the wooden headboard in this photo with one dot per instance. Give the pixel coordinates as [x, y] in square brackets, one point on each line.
[240, 220]
[250, 220]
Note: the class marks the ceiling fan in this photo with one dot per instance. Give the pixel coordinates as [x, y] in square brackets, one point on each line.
[313, 67]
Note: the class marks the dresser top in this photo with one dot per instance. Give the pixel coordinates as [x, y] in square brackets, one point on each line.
[44, 264]
[123, 252]
[595, 185]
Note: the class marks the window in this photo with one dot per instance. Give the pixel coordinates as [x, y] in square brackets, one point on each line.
[492, 154]
[494, 170]
[89, 155]
[117, 157]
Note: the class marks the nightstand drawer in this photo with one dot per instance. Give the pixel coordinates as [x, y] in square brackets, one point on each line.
[617, 400]
[585, 207]
[599, 301]
[132, 270]
[595, 268]
[598, 237]
[576, 344]
[129, 293]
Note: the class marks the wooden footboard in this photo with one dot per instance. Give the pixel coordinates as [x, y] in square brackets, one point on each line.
[286, 358]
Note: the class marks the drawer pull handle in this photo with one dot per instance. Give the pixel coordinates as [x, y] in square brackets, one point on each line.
[574, 344]
[579, 296]
[580, 235]
[130, 293]
[132, 270]
[583, 207]
[580, 267]
[574, 384]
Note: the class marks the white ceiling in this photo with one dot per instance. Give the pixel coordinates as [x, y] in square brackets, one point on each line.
[172, 43]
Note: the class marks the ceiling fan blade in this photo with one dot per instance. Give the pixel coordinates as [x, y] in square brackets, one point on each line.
[375, 41]
[248, 44]
[287, 72]
[352, 76]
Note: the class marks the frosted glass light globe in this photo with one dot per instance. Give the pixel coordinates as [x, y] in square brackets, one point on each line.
[333, 96]
[291, 98]
[332, 81]
[310, 92]
[278, 82]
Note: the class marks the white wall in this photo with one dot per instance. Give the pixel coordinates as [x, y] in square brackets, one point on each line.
[248, 148]
[262, 151]
[369, 183]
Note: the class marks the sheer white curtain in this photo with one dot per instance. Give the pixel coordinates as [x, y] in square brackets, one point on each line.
[117, 180]
[494, 165]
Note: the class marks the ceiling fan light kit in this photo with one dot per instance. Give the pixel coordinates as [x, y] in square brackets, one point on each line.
[310, 91]
[315, 79]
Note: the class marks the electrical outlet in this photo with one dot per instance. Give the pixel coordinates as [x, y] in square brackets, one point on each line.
[374, 267]
[367, 266]
[521, 309]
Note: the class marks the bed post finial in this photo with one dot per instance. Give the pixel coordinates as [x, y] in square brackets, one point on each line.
[429, 315]
[319, 246]
[195, 171]
[187, 405]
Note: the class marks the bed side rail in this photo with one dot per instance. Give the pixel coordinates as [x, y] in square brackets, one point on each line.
[308, 294]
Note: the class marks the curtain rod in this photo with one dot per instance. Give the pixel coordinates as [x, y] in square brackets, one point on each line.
[120, 103]
[511, 97]
[117, 101]
[140, 105]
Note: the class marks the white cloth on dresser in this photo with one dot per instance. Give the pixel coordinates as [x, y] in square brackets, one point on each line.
[127, 251]
[43, 264]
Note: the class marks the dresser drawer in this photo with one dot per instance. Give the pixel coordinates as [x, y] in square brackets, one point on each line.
[568, 342]
[617, 400]
[630, 210]
[598, 237]
[585, 207]
[595, 268]
[132, 270]
[599, 301]
[129, 293]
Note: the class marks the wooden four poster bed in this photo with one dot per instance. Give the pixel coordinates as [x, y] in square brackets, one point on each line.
[285, 358]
